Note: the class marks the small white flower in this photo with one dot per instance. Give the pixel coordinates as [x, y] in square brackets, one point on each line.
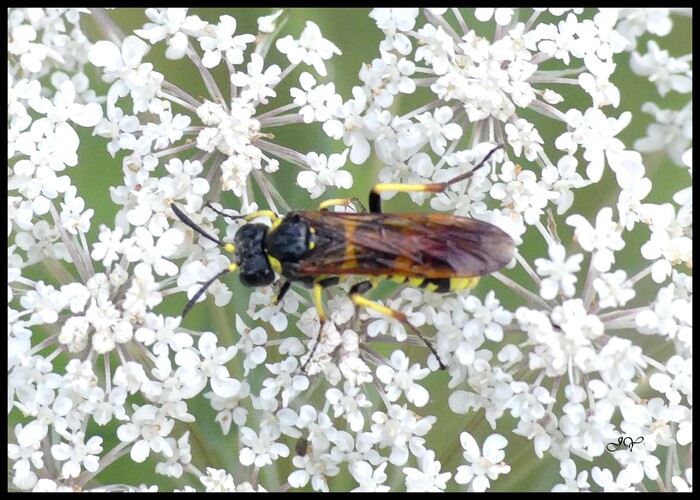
[311, 48]
[173, 25]
[224, 43]
[387, 77]
[483, 466]
[399, 378]
[261, 449]
[523, 137]
[398, 428]
[671, 131]
[210, 363]
[668, 244]
[147, 431]
[257, 84]
[325, 171]
[350, 126]
[604, 478]
[502, 16]
[613, 289]
[218, 480]
[676, 381]
[349, 404]
[317, 102]
[369, 479]
[559, 272]
[602, 240]
[428, 476]
[668, 73]
[393, 22]
[635, 22]
[267, 24]
[78, 454]
[438, 130]
[597, 82]
[567, 470]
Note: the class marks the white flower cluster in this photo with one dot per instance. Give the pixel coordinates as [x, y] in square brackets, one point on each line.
[586, 338]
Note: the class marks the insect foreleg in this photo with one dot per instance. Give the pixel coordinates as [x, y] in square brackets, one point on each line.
[260, 213]
[283, 291]
[343, 202]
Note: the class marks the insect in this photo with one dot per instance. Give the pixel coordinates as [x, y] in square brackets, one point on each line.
[302, 446]
[438, 252]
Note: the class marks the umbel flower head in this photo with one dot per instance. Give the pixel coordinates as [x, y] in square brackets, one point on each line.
[578, 350]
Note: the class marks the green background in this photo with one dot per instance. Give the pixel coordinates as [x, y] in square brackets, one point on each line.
[358, 38]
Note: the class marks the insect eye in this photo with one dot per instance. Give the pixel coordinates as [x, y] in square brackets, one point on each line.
[255, 271]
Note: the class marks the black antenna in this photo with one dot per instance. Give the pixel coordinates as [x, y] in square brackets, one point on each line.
[189, 223]
[201, 291]
[227, 246]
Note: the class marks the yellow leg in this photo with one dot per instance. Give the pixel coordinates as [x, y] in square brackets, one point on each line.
[356, 296]
[319, 284]
[274, 218]
[318, 302]
[375, 202]
[343, 202]
[408, 188]
[261, 213]
[361, 301]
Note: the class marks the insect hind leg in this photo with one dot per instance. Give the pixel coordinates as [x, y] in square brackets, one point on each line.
[375, 200]
[356, 295]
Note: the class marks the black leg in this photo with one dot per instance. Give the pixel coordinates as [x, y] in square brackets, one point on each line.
[283, 291]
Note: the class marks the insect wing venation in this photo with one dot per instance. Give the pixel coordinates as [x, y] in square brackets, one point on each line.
[421, 245]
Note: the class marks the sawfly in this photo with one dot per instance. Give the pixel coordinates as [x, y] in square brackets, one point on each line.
[435, 251]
